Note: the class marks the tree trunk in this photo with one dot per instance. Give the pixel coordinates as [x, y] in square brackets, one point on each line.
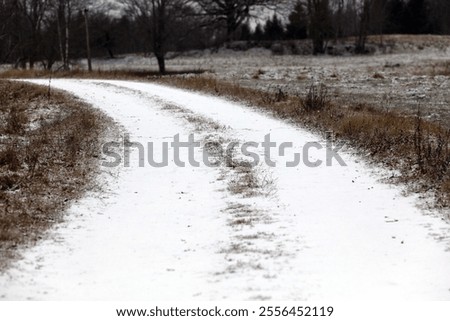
[88, 42]
[318, 20]
[363, 28]
[161, 63]
[60, 40]
[50, 64]
[67, 18]
[230, 29]
[159, 33]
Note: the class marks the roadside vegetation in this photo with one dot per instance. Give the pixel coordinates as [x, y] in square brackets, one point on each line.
[417, 148]
[49, 143]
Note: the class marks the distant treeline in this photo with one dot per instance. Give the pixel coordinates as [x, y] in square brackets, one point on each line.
[46, 31]
[343, 18]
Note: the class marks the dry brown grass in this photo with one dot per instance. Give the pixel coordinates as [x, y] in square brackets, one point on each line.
[96, 74]
[419, 41]
[377, 75]
[419, 149]
[245, 182]
[435, 69]
[47, 151]
[442, 69]
[316, 98]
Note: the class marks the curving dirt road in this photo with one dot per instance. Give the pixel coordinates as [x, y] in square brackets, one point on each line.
[230, 232]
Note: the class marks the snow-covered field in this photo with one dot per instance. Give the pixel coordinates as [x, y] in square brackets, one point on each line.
[406, 79]
[182, 233]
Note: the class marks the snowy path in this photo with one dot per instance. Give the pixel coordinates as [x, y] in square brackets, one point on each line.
[179, 233]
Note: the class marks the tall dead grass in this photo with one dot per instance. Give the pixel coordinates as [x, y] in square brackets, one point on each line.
[48, 147]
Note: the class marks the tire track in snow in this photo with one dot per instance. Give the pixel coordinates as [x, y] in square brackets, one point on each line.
[334, 223]
[250, 226]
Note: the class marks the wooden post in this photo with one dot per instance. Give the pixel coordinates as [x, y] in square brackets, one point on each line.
[88, 44]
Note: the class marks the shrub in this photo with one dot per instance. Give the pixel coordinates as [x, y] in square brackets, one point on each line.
[316, 99]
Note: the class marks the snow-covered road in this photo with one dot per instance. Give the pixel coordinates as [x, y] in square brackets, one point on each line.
[186, 233]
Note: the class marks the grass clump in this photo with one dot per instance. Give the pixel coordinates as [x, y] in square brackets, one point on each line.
[316, 98]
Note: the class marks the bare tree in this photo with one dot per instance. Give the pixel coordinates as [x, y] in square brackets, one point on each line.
[33, 13]
[63, 11]
[6, 42]
[363, 29]
[233, 12]
[378, 18]
[338, 21]
[64, 15]
[88, 42]
[319, 23]
[160, 18]
[372, 14]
